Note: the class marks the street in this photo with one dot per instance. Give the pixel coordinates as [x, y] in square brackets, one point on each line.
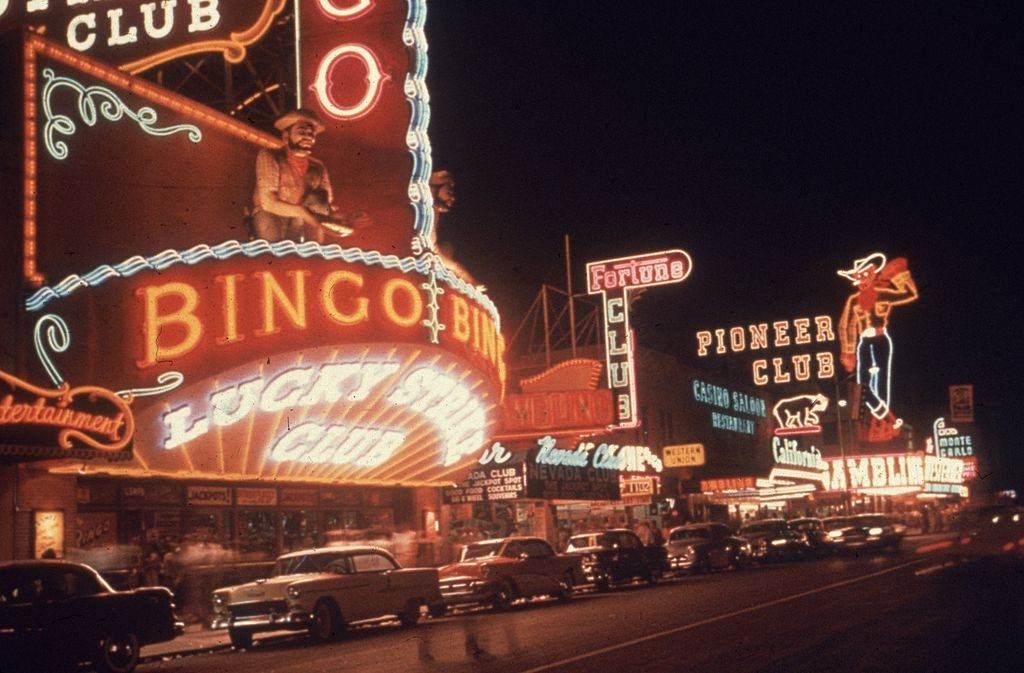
[887, 612]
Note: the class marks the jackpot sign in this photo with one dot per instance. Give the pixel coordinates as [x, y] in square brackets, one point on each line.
[613, 279]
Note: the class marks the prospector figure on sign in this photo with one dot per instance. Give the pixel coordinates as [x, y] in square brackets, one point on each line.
[293, 199]
[863, 327]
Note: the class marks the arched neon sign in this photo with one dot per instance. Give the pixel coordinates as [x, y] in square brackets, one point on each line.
[342, 13]
[374, 81]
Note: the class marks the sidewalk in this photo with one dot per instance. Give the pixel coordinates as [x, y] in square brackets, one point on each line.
[197, 639]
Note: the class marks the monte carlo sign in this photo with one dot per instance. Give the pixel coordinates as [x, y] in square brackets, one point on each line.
[613, 279]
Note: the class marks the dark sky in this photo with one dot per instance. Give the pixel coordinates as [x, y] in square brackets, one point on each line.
[776, 142]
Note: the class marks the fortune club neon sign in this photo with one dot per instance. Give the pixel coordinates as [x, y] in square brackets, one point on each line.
[613, 279]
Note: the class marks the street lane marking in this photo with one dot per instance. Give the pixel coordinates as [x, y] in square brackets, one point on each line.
[711, 620]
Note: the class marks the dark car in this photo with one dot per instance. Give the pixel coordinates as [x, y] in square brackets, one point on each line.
[814, 530]
[56, 613]
[703, 547]
[989, 531]
[500, 571]
[775, 540]
[618, 555]
[864, 532]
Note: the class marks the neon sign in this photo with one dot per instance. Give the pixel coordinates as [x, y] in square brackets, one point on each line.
[949, 442]
[72, 418]
[799, 415]
[604, 456]
[866, 344]
[777, 334]
[787, 451]
[880, 475]
[323, 85]
[613, 279]
[136, 35]
[730, 400]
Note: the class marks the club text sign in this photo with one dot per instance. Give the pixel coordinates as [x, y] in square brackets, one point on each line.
[776, 335]
[613, 279]
[139, 34]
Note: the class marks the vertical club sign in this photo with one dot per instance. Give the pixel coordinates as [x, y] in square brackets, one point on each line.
[613, 279]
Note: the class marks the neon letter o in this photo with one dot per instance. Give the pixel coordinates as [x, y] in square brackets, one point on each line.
[374, 79]
[340, 13]
[416, 309]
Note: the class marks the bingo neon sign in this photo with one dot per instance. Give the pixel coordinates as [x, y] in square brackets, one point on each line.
[613, 279]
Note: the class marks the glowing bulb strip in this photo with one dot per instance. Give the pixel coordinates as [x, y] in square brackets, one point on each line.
[109, 106]
[416, 139]
[168, 258]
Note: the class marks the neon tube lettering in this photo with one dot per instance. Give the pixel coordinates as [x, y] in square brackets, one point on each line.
[323, 83]
[342, 13]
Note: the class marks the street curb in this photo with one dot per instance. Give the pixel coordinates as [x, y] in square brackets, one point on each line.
[210, 649]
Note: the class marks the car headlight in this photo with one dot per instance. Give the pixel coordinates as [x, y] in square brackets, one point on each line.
[219, 599]
[835, 534]
[874, 531]
[293, 592]
[995, 519]
[778, 542]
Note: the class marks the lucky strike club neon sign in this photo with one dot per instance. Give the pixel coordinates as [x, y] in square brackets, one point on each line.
[613, 279]
[454, 410]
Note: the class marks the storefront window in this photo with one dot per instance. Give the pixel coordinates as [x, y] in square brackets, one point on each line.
[206, 527]
[299, 530]
[257, 532]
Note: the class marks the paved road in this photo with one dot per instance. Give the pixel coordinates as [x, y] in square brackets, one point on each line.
[903, 612]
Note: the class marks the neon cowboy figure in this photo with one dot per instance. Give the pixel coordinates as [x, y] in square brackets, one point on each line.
[863, 327]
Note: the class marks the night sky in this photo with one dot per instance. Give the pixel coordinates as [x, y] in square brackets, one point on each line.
[775, 142]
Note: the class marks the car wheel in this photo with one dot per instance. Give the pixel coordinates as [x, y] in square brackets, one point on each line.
[119, 653]
[505, 596]
[736, 562]
[240, 640]
[603, 584]
[565, 587]
[437, 610]
[326, 622]
[704, 565]
[410, 616]
[654, 577]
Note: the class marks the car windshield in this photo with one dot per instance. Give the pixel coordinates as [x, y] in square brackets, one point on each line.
[764, 527]
[833, 524]
[480, 550]
[873, 521]
[304, 563]
[582, 541]
[683, 533]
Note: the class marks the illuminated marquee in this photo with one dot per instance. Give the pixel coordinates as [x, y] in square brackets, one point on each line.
[605, 456]
[613, 279]
[777, 334]
[880, 475]
[139, 34]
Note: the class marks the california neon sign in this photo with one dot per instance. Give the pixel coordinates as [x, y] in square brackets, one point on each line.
[613, 279]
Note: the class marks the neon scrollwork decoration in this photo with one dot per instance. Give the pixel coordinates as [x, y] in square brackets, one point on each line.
[52, 331]
[95, 102]
[166, 382]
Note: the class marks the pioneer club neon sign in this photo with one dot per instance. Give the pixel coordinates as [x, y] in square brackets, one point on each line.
[613, 279]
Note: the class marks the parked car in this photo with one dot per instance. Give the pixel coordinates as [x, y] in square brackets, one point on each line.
[324, 590]
[618, 555]
[54, 614]
[497, 572]
[814, 530]
[864, 531]
[703, 547]
[775, 540]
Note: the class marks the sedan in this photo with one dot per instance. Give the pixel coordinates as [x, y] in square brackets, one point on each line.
[703, 547]
[54, 614]
[775, 540]
[617, 555]
[864, 531]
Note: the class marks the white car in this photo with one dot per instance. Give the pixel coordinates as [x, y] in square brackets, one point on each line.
[322, 591]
